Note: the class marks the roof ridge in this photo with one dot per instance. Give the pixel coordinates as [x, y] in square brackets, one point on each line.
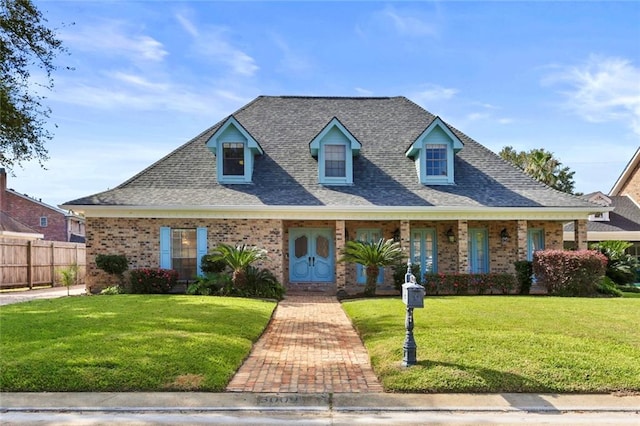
[327, 97]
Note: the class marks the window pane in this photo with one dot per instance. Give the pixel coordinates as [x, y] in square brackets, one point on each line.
[322, 247]
[184, 253]
[233, 159]
[301, 246]
[436, 160]
[335, 164]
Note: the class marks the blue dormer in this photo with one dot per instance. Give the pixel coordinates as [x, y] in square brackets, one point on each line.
[235, 150]
[433, 153]
[335, 147]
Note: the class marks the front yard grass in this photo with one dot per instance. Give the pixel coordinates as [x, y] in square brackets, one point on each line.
[127, 342]
[505, 344]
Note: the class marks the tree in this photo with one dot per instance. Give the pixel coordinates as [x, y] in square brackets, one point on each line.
[238, 258]
[69, 276]
[373, 256]
[542, 166]
[25, 43]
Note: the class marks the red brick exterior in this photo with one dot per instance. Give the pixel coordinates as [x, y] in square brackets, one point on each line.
[632, 186]
[29, 212]
[139, 240]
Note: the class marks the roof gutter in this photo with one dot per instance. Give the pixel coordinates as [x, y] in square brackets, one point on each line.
[340, 212]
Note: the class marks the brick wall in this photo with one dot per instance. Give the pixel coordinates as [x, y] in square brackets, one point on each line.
[632, 186]
[139, 240]
[29, 213]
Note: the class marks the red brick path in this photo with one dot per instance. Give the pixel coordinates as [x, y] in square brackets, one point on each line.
[309, 346]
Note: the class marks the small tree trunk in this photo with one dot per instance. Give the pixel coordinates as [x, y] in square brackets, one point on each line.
[372, 272]
[239, 279]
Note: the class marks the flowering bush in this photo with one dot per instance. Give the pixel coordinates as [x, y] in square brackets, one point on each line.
[569, 273]
[468, 283]
[152, 280]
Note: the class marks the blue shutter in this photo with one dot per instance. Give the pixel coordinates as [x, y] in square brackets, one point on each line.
[165, 247]
[201, 247]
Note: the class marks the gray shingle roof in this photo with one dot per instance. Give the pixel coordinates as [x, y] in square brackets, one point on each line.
[288, 175]
[625, 217]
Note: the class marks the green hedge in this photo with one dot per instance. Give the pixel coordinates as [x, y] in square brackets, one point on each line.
[440, 283]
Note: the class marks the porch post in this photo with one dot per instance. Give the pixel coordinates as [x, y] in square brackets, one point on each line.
[405, 238]
[522, 240]
[463, 246]
[341, 267]
[580, 234]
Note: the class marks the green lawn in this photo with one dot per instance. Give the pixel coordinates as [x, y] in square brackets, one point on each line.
[127, 342]
[505, 344]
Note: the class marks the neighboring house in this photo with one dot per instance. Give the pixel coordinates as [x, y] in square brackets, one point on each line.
[623, 221]
[299, 176]
[49, 222]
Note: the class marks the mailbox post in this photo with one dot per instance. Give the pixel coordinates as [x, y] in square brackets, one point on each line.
[413, 297]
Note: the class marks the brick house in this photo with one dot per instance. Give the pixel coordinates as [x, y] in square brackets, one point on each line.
[299, 176]
[45, 221]
[623, 221]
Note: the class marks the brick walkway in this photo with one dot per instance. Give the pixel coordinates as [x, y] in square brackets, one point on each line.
[309, 346]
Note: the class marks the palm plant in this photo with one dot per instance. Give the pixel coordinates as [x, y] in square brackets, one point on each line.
[239, 258]
[621, 267]
[373, 256]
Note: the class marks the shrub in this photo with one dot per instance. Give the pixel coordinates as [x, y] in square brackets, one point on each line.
[606, 286]
[114, 264]
[629, 288]
[621, 267]
[113, 289]
[434, 284]
[524, 275]
[399, 271]
[479, 283]
[569, 273]
[211, 284]
[262, 283]
[259, 283]
[506, 283]
[468, 283]
[209, 264]
[152, 281]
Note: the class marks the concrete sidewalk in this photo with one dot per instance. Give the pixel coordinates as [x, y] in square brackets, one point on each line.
[203, 401]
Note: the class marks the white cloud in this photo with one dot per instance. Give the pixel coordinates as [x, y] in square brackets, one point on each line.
[406, 23]
[434, 92]
[115, 38]
[363, 92]
[602, 89]
[291, 61]
[138, 94]
[188, 26]
[211, 43]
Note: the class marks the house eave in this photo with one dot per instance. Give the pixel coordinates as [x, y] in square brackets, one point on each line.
[286, 212]
[605, 236]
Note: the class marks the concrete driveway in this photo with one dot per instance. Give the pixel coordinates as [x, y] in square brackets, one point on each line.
[9, 297]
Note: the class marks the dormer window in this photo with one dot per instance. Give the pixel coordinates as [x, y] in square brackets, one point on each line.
[433, 152]
[235, 150]
[335, 147]
[436, 159]
[335, 161]
[599, 217]
[233, 159]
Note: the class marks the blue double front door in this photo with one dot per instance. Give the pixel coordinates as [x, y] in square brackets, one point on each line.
[311, 255]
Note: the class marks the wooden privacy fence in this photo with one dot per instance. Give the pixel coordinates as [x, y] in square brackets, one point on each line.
[36, 263]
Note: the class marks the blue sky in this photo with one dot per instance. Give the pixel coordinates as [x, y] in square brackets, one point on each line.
[150, 75]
